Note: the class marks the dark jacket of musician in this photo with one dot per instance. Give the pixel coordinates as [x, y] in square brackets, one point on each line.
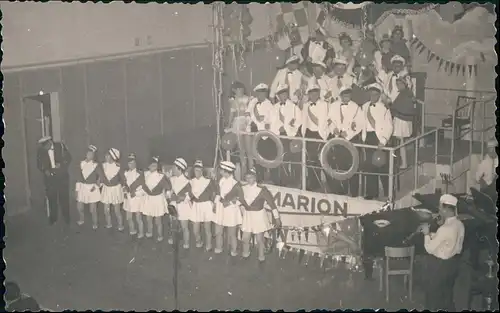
[53, 159]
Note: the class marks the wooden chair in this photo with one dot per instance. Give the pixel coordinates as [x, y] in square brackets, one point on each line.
[463, 112]
[400, 256]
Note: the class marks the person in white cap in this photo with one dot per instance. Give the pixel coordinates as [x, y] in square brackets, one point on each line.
[202, 195]
[320, 78]
[112, 181]
[341, 78]
[156, 187]
[289, 75]
[239, 122]
[317, 49]
[87, 186]
[315, 125]
[180, 198]
[134, 197]
[346, 121]
[389, 79]
[227, 211]
[255, 219]
[444, 248]
[486, 174]
[290, 117]
[376, 131]
[264, 115]
[53, 159]
[403, 111]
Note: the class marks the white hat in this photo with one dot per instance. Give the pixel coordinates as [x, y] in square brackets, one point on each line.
[448, 199]
[340, 61]
[228, 166]
[261, 87]
[281, 87]
[198, 164]
[344, 89]
[44, 139]
[293, 58]
[375, 86]
[252, 171]
[313, 87]
[114, 153]
[181, 163]
[92, 148]
[320, 64]
[492, 143]
[154, 159]
[398, 58]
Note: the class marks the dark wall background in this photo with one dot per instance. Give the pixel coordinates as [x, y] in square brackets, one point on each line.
[128, 103]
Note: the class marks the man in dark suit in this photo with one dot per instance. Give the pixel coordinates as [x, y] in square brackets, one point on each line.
[317, 49]
[53, 160]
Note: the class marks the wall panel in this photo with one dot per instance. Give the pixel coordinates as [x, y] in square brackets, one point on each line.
[202, 85]
[13, 153]
[143, 103]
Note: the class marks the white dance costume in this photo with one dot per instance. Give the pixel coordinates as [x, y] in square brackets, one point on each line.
[227, 212]
[155, 203]
[255, 217]
[180, 197]
[134, 194]
[87, 189]
[112, 180]
[203, 191]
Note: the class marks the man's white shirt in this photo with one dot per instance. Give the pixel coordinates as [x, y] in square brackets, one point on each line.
[389, 83]
[293, 79]
[448, 239]
[382, 121]
[325, 83]
[338, 82]
[316, 111]
[262, 108]
[286, 113]
[348, 117]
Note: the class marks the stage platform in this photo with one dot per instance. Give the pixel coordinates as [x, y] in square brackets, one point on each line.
[82, 269]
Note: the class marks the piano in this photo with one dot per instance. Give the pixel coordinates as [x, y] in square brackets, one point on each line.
[480, 230]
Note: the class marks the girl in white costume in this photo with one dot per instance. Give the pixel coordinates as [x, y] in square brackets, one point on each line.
[112, 180]
[202, 195]
[227, 211]
[134, 196]
[154, 206]
[180, 197]
[255, 218]
[87, 187]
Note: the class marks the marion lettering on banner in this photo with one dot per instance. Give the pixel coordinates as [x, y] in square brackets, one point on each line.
[300, 208]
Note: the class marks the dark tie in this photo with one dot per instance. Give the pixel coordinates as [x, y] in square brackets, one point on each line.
[290, 73]
[341, 77]
[344, 104]
[313, 104]
[372, 104]
[258, 102]
[390, 84]
[282, 103]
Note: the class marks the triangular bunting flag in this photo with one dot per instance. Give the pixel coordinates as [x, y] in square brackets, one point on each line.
[452, 66]
[421, 49]
[458, 68]
[463, 70]
[470, 70]
[447, 66]
[475, 69]
[413, 41]
[428, 55]
[432, 57]
[483, 58]
[419, 45]
[440, 64]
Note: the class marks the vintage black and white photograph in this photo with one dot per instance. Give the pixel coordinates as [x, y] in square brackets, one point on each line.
[249, 156]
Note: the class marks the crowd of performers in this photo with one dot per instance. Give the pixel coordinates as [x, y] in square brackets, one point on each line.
[190, 198]
[324, 94]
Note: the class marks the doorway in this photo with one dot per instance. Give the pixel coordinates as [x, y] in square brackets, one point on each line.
[41, 118]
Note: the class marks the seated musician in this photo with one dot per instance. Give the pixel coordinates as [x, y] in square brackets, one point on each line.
[346, 118]
[263, 116]
[486, 173]
[376, 131]
[290, 119]
[322, 80]
[288, 75]
[444, 248]
[315, 115]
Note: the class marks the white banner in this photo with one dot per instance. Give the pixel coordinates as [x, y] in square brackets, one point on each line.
[300, 208]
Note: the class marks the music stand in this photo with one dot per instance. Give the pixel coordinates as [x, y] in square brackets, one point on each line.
[174, 226]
